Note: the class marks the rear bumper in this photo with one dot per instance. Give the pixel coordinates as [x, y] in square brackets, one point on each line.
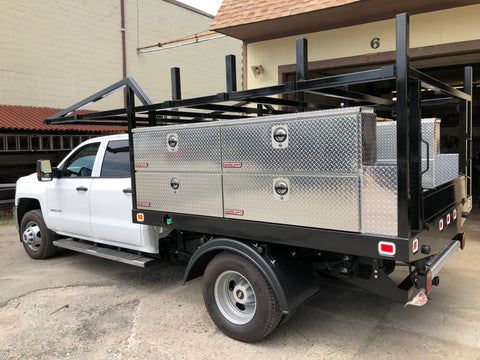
[429, 277]
[437, 262]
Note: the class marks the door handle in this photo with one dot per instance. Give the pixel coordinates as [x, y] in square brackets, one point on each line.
[82, 188]
[127, 190]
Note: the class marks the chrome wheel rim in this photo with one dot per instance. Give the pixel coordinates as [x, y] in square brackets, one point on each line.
[32, 236]
[235, 297]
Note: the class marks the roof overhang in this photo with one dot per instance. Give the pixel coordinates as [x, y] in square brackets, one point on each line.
[355, 13]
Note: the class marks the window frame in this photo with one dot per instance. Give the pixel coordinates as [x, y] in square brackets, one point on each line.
[68, 161]
[105, 152]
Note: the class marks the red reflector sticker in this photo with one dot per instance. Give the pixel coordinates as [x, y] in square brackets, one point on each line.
[386, 248]
[415, 246]
[455, 214]
[233, 212]
[143, 203]
[235, 165]
[141, 165]
[440, 225]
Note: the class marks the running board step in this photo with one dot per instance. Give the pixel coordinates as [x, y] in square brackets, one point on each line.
[103, 252]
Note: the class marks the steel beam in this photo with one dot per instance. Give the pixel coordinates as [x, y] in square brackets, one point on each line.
[415, 157]
[436, 85]
[176, 85]
[231, 71]
[465, 131]
[355, 96]
[403, 146]
[383, 73]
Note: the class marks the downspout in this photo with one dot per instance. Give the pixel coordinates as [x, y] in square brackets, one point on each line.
[124, 51]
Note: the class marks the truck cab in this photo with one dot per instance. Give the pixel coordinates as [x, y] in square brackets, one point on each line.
[88, 196]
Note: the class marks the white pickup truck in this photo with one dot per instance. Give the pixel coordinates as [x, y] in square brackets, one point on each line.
[90, 199]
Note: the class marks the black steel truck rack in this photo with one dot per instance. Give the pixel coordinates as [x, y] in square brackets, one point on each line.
[422, 214]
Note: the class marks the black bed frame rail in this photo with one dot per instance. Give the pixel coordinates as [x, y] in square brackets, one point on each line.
[234, 104]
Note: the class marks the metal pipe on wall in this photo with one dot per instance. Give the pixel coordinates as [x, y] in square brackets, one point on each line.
[124, 51]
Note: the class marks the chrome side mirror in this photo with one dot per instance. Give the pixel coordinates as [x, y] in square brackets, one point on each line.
[44, 170]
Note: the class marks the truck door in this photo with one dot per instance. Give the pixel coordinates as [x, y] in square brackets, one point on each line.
[68, 197]
[111, 199]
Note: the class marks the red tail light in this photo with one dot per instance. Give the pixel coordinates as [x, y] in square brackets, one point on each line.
[387, 248]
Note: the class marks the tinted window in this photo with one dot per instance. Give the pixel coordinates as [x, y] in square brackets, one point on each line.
[81, 164]
[116, 163]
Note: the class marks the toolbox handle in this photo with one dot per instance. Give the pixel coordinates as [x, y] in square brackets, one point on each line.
[428, 156]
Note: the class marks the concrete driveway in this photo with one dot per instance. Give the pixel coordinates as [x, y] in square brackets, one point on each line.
[79, 307]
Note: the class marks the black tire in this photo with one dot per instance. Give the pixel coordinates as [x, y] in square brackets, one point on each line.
[36, 238]
[225, 278]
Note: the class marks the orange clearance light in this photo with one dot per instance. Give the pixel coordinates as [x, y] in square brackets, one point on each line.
[387, 248]
[140, 217]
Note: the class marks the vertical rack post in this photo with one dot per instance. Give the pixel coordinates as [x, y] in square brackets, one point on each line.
[175, 81]
[302, 63]
[465, 129]
[403, 163]
[231, 71]
[131, 119]
[415, 157]
[176, 86]
[346, 102]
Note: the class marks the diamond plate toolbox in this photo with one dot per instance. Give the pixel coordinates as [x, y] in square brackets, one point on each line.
[178, 170]
[330, 202]
[197, 194]
[319, 142]
[195, 149]
[437, 168]
[387, 140]
[301, 169]
[380, 200]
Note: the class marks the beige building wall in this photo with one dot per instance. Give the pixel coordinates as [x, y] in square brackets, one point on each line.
[439, 27]
[202, 65]
[55, 53]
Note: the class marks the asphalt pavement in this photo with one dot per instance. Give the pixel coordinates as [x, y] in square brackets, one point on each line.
[75, 306]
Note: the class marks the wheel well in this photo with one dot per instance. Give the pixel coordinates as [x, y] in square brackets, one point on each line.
[292, 282]
[24, 206]
[198, 267]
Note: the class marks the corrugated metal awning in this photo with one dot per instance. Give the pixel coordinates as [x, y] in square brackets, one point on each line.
[16, 117]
